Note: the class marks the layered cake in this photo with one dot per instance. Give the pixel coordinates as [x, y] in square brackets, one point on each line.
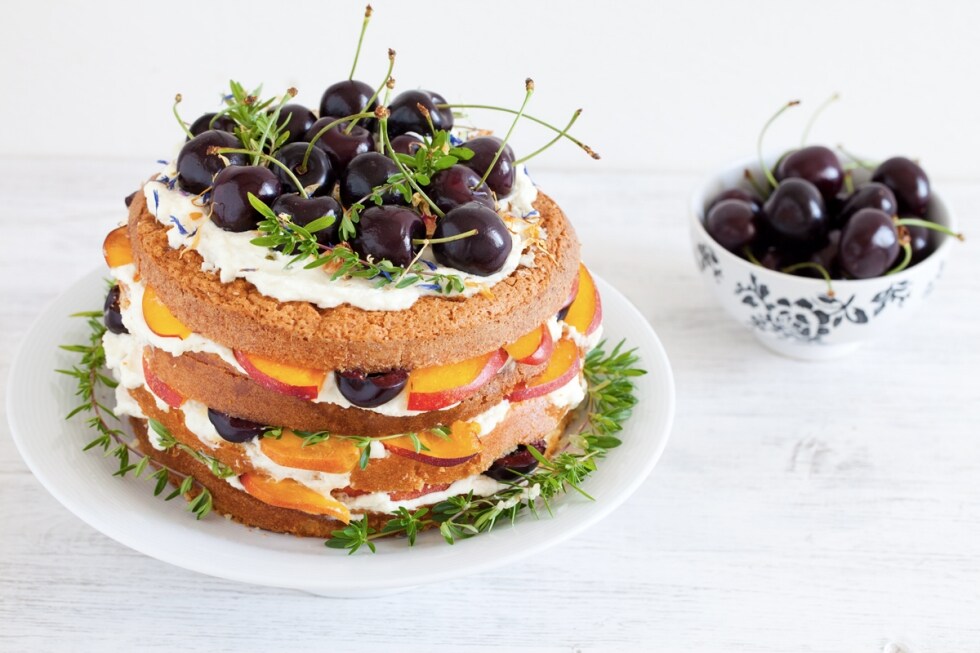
[329, 319]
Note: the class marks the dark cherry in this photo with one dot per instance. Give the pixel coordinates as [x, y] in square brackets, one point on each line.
[340, 146]
[739, 194]
[364, 172]
[921, 240]
[405, 115]
[501, 178]
[386, 232]
[111, 314]
[347, 98]
[406, 144]
[868, 244]
[909, 183]
[732, 224]
[456, 186]
[816, 164]
[795, 211]
[515, 464]
[230, 208]
[826, 257]
[370, 390]
[208, 121]
[297, 120]
[129, 198]
[870, 196]
[196, 168]
[318, 171]
[234, 429]
[304, 210]
[483, 253]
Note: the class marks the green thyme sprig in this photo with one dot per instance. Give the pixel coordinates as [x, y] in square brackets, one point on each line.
[91, 381]
[609, 403]
[278, 232]
[257, 125]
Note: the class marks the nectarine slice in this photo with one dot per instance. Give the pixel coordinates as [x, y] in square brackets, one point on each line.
[563, 366]
[166, 393]
[333, 455]
[159, 318]
[461, 446]
[585, 311]
[302, 382]
[293, 495]
[116, 248]
[432, 388]
[532, 348]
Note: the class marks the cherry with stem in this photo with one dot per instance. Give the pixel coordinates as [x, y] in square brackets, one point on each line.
[758, 145]
[264, 157]
[382, 115]
[528, 92]
[377, 91]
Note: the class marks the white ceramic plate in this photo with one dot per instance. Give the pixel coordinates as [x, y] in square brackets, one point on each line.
[127, 511]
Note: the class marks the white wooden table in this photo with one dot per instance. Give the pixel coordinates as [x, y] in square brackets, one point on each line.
[799, 506]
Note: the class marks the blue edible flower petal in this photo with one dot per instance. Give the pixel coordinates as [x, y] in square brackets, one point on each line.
[156, 199]
[162, 162]
[530, 214]
[430, 286]
[529, 177]
[429, 264]
[454, 141]
[180, 227]
[386, 275]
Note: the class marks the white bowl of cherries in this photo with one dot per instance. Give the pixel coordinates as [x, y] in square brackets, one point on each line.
[817, 253]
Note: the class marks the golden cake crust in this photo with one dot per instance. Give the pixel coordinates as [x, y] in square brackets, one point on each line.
[434, 331]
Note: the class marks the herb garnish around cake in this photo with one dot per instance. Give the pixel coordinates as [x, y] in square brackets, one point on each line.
[91, 382]
[610, 401]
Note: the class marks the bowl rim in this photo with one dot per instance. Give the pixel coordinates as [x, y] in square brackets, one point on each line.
[699, 199]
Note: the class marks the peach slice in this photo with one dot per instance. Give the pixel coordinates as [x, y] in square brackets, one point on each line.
[293, 495]
[432, 388]
[292, 380]
[585, 311]
[333, 455]
[532, 348]
[169, 396]
[460, 447]
[116, 248]
[159, 318]
[562, 367]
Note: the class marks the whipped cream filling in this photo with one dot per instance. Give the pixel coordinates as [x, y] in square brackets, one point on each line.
[231, 255]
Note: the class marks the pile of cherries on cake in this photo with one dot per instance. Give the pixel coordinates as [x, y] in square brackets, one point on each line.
[810, 225]
[349, 157]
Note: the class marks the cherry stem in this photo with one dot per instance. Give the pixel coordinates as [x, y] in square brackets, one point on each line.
[377, 91]
[326, 128]
[588, 150]
[907, 247]
[183, 125]
[816, 114]
[446, 239]
[264, 157]
[861, 163]
[749, 177]
[927, 224]
[750, 256]
[401, 167]
[528, 92]
[809, 265]
[562, 133]
[758, 146]
[360, 39]
[288, 95]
